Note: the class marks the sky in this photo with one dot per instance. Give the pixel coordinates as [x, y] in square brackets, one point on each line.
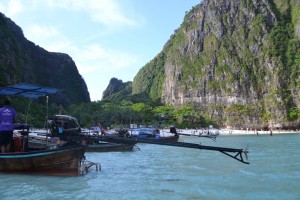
[105, 38]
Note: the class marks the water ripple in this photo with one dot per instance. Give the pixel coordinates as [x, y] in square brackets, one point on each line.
[161, 172]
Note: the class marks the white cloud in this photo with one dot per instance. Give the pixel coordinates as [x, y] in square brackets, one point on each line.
[93, 58]
[42, 32]
[2, 7]
[12, 7]
[48, 37]
[107, 12]
[98, 65]
[110, 13]
[88, 57]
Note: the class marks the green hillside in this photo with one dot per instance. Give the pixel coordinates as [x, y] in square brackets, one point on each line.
[236, 61]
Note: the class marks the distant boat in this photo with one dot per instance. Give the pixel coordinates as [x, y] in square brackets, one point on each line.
[138, 133]
[210, 132]
[152, 133]
[109, 147]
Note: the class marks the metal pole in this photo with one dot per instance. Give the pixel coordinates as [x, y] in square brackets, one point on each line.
[47, 113]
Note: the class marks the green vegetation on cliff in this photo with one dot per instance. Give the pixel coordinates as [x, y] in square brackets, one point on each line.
[150, 78]
[23, 61]
[233, 63]
[229, 55]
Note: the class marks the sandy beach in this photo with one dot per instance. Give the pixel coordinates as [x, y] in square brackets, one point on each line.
[254, 132]
[233, 131]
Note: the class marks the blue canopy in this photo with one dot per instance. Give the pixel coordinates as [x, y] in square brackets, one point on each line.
[27, 90]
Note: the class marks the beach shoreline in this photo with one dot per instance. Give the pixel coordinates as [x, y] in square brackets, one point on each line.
[234, 132]
[255, 132]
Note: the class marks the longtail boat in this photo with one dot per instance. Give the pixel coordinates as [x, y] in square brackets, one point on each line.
[142, 133]
[70, 129]
[66, 160]
[109, 147]
[95, 145]
[63, 161]
[240, 155]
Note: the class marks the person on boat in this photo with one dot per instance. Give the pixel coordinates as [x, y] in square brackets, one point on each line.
[7, 120]
[102, 131]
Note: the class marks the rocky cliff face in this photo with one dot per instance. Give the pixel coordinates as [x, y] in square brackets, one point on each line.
[229, 53]
[23, 61]
[115, 89]
[217, 36]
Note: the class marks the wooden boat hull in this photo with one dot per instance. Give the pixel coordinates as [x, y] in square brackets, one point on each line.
[64, 161]
[97, 147]
[174, 138]
[134, 140]
[109, 147]
[39, 145]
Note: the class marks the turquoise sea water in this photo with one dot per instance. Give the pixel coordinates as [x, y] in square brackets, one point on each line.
[162, 172]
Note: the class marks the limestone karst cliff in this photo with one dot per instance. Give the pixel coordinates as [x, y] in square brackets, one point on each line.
[23, 61]
[116, 89]
[237, 61]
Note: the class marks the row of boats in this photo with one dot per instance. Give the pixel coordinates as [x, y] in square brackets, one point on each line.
[60, 149]
[62, 153]
[50, 152]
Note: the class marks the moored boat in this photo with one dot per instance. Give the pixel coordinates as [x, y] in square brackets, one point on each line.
[63, 161]
[64, 127]
[147, 134]
[92, 144]
[210, 132]
[109, 147]
[172, 138]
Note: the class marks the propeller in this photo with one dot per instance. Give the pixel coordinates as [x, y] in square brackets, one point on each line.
[245, 151]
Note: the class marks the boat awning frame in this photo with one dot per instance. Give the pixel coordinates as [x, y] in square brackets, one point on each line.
[27, 90]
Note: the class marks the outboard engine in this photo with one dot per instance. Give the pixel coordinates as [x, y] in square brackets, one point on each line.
[123, 133]
[173, 130]
[65, 127]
